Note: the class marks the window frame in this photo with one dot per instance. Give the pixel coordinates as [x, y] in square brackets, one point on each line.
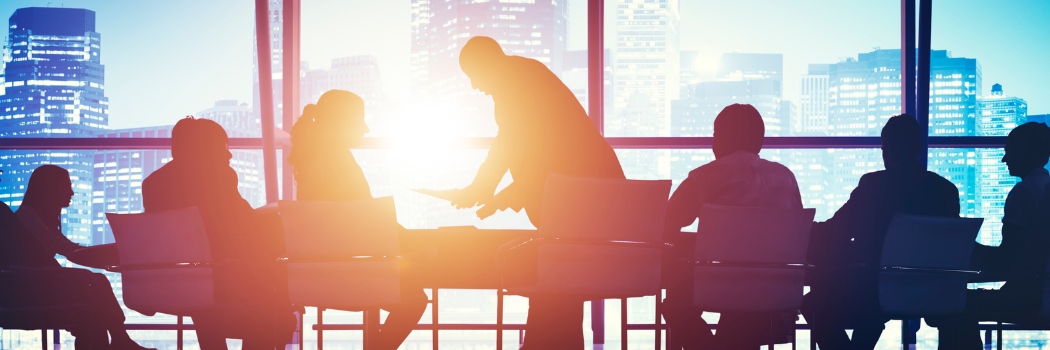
[912, 103]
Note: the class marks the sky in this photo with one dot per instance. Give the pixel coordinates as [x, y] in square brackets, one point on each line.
[168, 59]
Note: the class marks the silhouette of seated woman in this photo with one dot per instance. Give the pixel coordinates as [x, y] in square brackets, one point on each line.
[252, 296]
[1024, 250]
[325, 170]
[37, 238]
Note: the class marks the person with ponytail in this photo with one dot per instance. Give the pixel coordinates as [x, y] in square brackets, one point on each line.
[41, 238]
[1024, 251]
[325, 170]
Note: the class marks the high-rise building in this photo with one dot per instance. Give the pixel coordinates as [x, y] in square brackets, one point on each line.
[865, 92]
[646, 68]
[118, 176]
[53, 87]
[997, 114]
[813, 107]
[238, 121]
[534, 29]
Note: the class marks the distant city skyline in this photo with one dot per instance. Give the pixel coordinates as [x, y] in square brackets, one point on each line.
[153, 44]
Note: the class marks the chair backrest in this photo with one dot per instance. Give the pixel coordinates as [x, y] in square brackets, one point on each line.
[342, 254]
[148, 244]
[581, 217]
[1042, 227]
[751, 259]
[931, 243]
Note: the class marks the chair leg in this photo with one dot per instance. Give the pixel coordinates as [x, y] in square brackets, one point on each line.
[302, 327]
[320, 328]
[43, 339]
[657, 325]
[772, 341]
[178, 332]
[434, 316]
[904, 334]
[623, 323]
[598, 321]
[499, 319]
[999, 335]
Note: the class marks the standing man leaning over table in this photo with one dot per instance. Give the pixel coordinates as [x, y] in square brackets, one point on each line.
[543, 129]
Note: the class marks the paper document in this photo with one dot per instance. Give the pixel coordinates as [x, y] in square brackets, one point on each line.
[447, 195]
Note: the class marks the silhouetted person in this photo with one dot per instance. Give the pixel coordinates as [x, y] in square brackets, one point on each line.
[737, 177]
[543, 129]
[200, 175]
[1024, 250]
[31, 239]
[855, 234]
[325, 170]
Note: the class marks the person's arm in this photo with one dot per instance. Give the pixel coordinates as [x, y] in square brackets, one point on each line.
[685, 203]
[50, 237]
[488, 177]
[828, 239]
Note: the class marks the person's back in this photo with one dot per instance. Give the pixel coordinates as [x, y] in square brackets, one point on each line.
[250, 295]
[848, 298]
[737, 177]
[859, 226]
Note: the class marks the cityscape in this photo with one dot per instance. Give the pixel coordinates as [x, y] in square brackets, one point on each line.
[54, 85]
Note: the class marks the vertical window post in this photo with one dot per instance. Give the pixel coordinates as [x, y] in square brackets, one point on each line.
[265, 57]
[595, 64]
[290, 80]
[922, 95]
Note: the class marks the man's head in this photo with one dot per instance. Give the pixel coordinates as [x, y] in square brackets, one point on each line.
[738, 127]
[901, 140]
[1027, 148]
[480, 59]
[200, 141]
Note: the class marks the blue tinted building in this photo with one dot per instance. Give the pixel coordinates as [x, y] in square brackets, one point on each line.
[53, 87]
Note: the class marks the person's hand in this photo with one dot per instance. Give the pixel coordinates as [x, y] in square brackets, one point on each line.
[499, 202]
[469, 197]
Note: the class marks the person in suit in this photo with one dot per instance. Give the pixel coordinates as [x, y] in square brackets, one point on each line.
[1024, 250]
[543, 129]
[32, 236]
[254, 297]
[325, 170]
[854, 236]
[737, 177]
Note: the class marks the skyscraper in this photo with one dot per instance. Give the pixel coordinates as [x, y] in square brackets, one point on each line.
[646, 67]
[997, 114]
[53, 87]
[118, 176]
[813, 108]
[864, 92]
[534, 29]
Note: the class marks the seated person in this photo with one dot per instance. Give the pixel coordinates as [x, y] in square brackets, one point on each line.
[737, 177]
[32, 236]
[854, 236]
[325, 170]
[1025, 246]
[200, 175]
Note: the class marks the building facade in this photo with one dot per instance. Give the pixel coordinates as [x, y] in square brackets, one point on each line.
[813, 106]
[53, 87]
[865, 92]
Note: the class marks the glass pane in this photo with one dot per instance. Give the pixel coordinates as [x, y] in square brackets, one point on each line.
[676, 64]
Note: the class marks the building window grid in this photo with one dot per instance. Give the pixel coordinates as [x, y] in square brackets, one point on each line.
[814, 142]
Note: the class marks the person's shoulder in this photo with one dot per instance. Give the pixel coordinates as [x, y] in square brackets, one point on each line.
[933, 179]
